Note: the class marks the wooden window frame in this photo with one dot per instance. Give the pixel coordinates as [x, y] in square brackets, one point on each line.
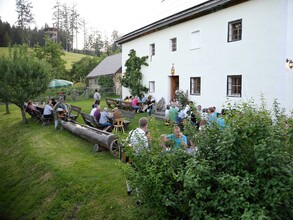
[235, 30]
[173, 44]
[153, 86]
[234, 85]
[152, 49]
[195, 85]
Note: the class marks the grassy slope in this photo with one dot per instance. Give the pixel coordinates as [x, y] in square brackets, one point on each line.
[53, 174]
[69, 57]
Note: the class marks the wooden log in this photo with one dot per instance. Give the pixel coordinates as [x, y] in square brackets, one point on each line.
[102, 138]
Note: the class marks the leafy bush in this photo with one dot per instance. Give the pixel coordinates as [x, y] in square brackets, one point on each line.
[241, 171]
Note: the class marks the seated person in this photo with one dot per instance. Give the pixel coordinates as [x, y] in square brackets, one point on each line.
[60, 112]
[94, 109]
[48, 110]
[30, 106]
[116, 113]
[134, 104]
[97, 113]
[105, 119]
[177, 139]
[53, 102]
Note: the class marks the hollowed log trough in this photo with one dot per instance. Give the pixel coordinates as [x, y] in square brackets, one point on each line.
[103, 140]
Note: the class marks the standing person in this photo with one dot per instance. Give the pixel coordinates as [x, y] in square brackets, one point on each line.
[177, 139]
[138, 137]
[212, 115]
[173, 113]
[97, 97]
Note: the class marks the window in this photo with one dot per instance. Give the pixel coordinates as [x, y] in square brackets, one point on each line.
[173, 44]
[195, 40]
[152, 50]
[234, 84]
[235, 30]
[151, 86]
[195, 86]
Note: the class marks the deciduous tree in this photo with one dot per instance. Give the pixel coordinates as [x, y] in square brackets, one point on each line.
[132, 78]
[24, 77]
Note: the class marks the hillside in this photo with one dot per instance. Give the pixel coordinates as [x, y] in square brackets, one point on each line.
[69, 57]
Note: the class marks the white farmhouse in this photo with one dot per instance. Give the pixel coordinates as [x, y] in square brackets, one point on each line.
[220, 50]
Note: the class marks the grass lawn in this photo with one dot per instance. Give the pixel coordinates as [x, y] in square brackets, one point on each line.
[52, 174]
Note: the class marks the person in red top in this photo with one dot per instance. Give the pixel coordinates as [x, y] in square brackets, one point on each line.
[134, 103]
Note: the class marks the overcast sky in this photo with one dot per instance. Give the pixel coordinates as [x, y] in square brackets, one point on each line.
[103, 15]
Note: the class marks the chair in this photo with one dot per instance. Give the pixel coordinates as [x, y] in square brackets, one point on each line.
[119, 125]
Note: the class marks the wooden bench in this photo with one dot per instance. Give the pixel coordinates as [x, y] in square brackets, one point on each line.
[90, 120]
[126, 106]
[127, 114]
[111, 103]
[41, 119]
[159, 115]
[74, 112]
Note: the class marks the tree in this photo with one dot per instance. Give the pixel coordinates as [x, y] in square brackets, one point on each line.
[83, 67]
[25, 17]
[132, 78]
[25, 77]
[51, 53]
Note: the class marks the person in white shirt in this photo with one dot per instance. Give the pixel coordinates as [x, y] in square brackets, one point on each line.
[92, 113]
[97, 97]
[48, 111]
[138, 138]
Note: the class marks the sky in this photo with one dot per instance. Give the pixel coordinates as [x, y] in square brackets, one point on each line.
[103, 15]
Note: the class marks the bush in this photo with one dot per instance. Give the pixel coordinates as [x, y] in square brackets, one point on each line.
[241, 171]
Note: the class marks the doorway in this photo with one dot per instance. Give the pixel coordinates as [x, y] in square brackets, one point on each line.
[174, 85]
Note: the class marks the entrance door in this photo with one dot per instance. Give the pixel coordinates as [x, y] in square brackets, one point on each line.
[174, 85]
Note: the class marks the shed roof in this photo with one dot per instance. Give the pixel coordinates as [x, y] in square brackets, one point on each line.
[180, 17]
[109, 66]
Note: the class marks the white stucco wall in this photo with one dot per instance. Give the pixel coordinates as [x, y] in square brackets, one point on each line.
[259, 57]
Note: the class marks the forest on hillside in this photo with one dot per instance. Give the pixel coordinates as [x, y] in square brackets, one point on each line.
[67, 23]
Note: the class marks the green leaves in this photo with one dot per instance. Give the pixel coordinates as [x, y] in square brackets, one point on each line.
[132, 78]
[242, 171]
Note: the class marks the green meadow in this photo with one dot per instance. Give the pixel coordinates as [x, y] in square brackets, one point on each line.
[69, 58]
[53, 174]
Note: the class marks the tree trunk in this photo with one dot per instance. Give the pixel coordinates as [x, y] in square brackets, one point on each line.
[23, 114]
[7, 107]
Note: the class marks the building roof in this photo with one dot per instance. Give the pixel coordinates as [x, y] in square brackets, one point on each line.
[180, 17]
[109, 66]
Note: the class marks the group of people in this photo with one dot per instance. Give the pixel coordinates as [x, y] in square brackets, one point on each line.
[198, 116]
[141, 104]
[105, 118]
[52, 110]
[140, 138]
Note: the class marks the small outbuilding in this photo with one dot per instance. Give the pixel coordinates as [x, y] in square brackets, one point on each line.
[111, 66]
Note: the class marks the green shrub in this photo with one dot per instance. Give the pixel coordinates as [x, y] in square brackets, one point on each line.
[241, 171]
